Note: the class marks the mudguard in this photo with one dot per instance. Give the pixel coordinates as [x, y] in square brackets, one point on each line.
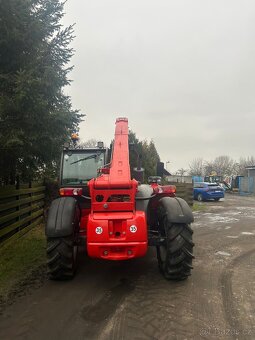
[144, 190]
[63, 217]
[177, 210]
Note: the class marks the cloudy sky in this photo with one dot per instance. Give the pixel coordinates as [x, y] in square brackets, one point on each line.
[182, 71]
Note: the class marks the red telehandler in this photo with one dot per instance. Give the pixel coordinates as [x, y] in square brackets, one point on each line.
[114, 217]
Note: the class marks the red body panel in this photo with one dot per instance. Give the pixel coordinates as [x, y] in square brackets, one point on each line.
[117, 236]
[115, 231]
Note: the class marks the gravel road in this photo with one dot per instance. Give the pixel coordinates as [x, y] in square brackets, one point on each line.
[131, 300]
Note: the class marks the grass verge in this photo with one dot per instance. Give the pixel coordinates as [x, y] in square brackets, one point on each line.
[198, 206]
[19, 259]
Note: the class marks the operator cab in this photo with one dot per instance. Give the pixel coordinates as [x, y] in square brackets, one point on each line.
[78, 166]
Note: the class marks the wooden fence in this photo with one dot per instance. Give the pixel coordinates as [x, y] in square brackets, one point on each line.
[184, 190]
[20, 209]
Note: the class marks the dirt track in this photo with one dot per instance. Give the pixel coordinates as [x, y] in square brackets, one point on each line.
[130, 300]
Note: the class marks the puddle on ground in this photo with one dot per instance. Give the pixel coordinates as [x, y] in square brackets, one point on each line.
[216, 207]
[234, 213]
[247, 211]
[108, 303]
[222, 219]
[224, 253]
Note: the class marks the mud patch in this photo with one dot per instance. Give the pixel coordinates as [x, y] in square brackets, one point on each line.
[34, 280]
[235, 308]
[105, 307]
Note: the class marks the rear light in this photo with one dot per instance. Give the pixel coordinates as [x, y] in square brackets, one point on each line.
[70, 192]
[105, 171]
[166, 189]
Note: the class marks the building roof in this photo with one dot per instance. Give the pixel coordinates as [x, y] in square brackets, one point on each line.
[166, 173]
[250, 167]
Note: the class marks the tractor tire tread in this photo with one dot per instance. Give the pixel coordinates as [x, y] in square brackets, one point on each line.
[52, 245]
[60, 258]
[179, 253]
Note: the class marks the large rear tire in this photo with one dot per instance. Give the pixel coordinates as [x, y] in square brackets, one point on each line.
[62, 257]
[62, 231]
[176, 253]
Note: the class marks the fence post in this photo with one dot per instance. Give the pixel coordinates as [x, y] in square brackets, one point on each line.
[30, 196]
[16, 216]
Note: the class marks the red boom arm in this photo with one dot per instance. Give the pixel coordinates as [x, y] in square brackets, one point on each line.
[119, 176]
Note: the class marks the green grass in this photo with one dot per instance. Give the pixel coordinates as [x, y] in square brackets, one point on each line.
[198, 206]
[20, 257]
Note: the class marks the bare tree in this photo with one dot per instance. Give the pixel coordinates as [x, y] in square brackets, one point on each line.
[223, 165]
[243, 163]
[181, 172]
[196, 167]
[208, 168]
[90, 143]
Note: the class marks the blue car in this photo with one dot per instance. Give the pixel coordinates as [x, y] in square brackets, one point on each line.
[204, 191]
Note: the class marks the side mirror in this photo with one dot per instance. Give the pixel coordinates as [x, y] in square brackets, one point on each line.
[132, 146]
[100, 145]
[138, 174]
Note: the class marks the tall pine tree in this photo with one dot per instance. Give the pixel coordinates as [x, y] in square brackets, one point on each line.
[35, 115]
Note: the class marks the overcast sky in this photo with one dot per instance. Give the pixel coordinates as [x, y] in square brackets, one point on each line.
[182, 71]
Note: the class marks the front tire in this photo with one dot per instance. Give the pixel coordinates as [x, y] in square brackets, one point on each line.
[62, 257]
[176, 254]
